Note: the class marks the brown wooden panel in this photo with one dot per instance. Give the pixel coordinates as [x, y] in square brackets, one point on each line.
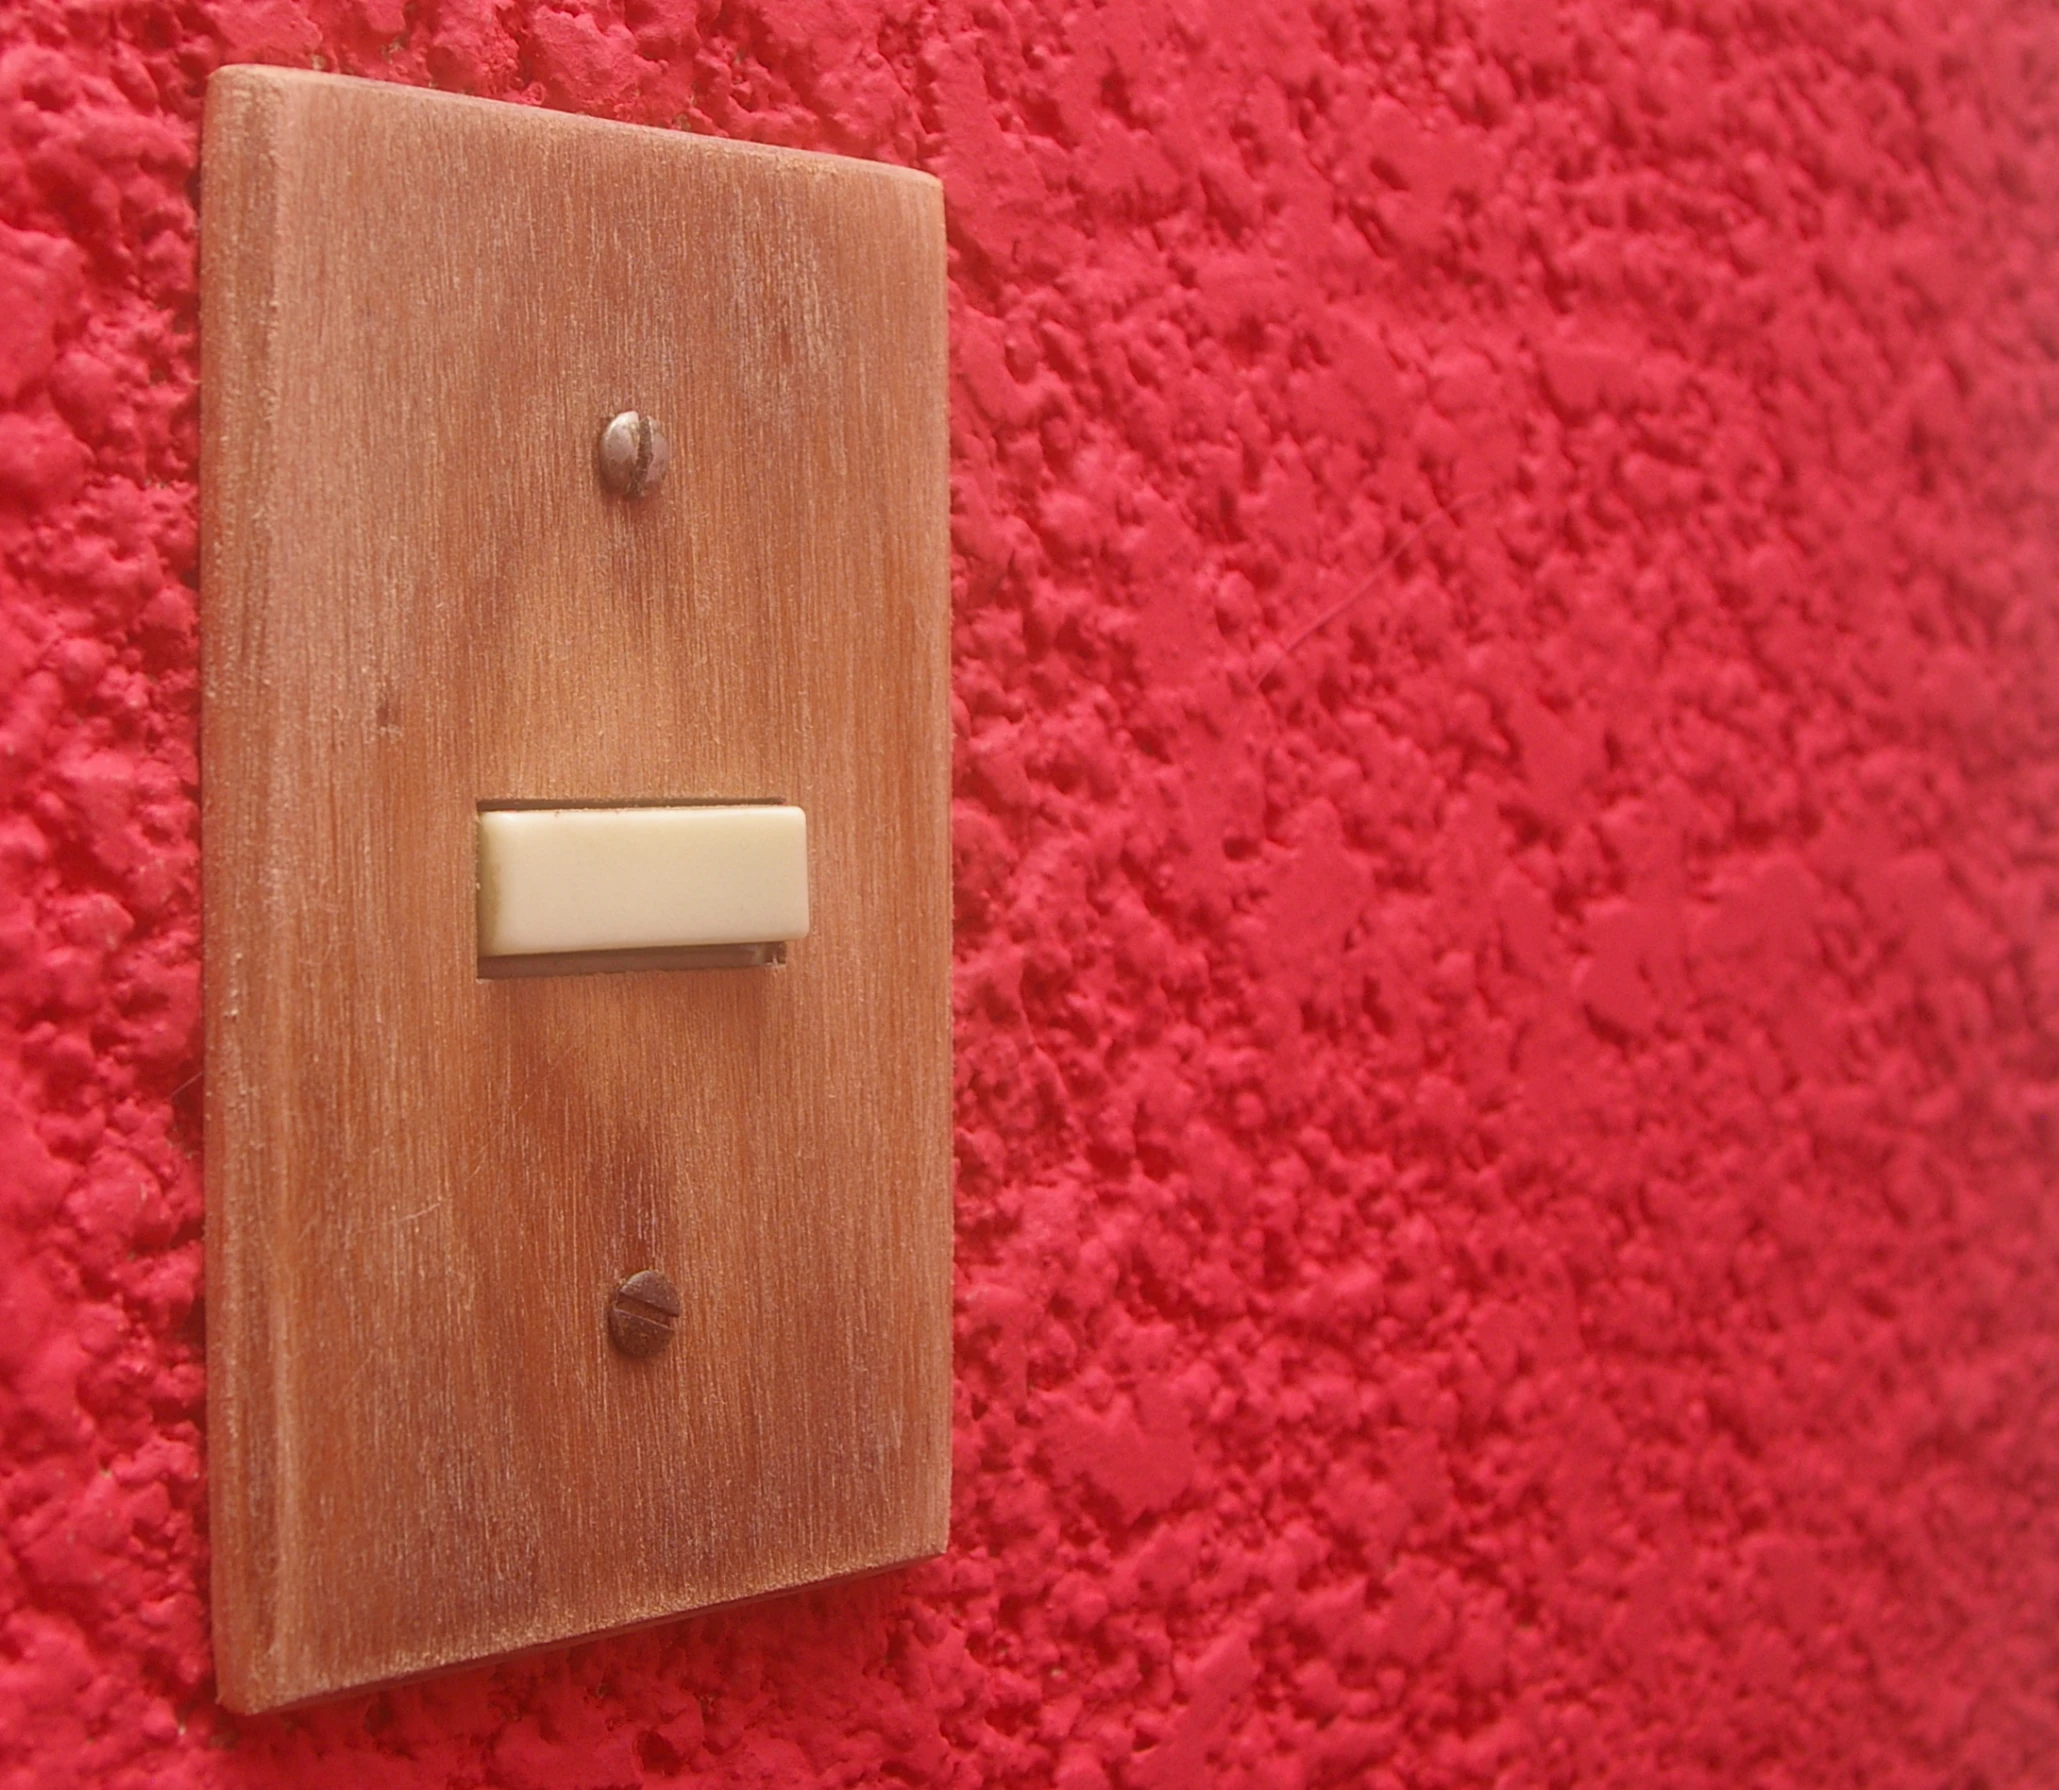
[418, 311]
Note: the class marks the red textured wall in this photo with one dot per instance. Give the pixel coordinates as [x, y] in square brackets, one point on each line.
[1508, 851]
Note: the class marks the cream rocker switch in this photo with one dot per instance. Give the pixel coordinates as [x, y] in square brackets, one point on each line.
[640, 879]
[576, 775]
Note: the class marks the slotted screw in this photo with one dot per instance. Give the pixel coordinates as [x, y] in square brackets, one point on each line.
[643, 1313]
[633, 455]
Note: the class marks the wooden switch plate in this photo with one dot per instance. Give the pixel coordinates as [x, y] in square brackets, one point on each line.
[424, 1186]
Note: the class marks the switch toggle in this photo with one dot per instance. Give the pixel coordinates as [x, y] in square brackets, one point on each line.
[555, 880]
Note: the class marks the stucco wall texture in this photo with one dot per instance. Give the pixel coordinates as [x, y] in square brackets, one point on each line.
[1507, 707]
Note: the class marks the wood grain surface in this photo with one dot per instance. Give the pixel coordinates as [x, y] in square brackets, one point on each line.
[423, 1185]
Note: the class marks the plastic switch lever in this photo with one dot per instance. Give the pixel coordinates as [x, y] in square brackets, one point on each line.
[636, 879]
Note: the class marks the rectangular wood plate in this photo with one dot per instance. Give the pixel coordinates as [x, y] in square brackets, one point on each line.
[423, 1185]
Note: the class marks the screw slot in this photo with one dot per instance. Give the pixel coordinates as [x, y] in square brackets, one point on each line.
[643, 1313]
[633, 455]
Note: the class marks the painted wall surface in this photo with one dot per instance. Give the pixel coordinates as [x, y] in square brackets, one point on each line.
[1508, 853]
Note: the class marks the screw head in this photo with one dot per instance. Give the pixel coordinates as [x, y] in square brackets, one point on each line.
[633, 455]
[643, 1313]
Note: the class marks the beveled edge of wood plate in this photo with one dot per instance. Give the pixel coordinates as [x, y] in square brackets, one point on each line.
[255, 77]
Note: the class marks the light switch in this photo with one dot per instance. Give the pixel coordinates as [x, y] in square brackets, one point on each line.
[640, 879]
[569, 489]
